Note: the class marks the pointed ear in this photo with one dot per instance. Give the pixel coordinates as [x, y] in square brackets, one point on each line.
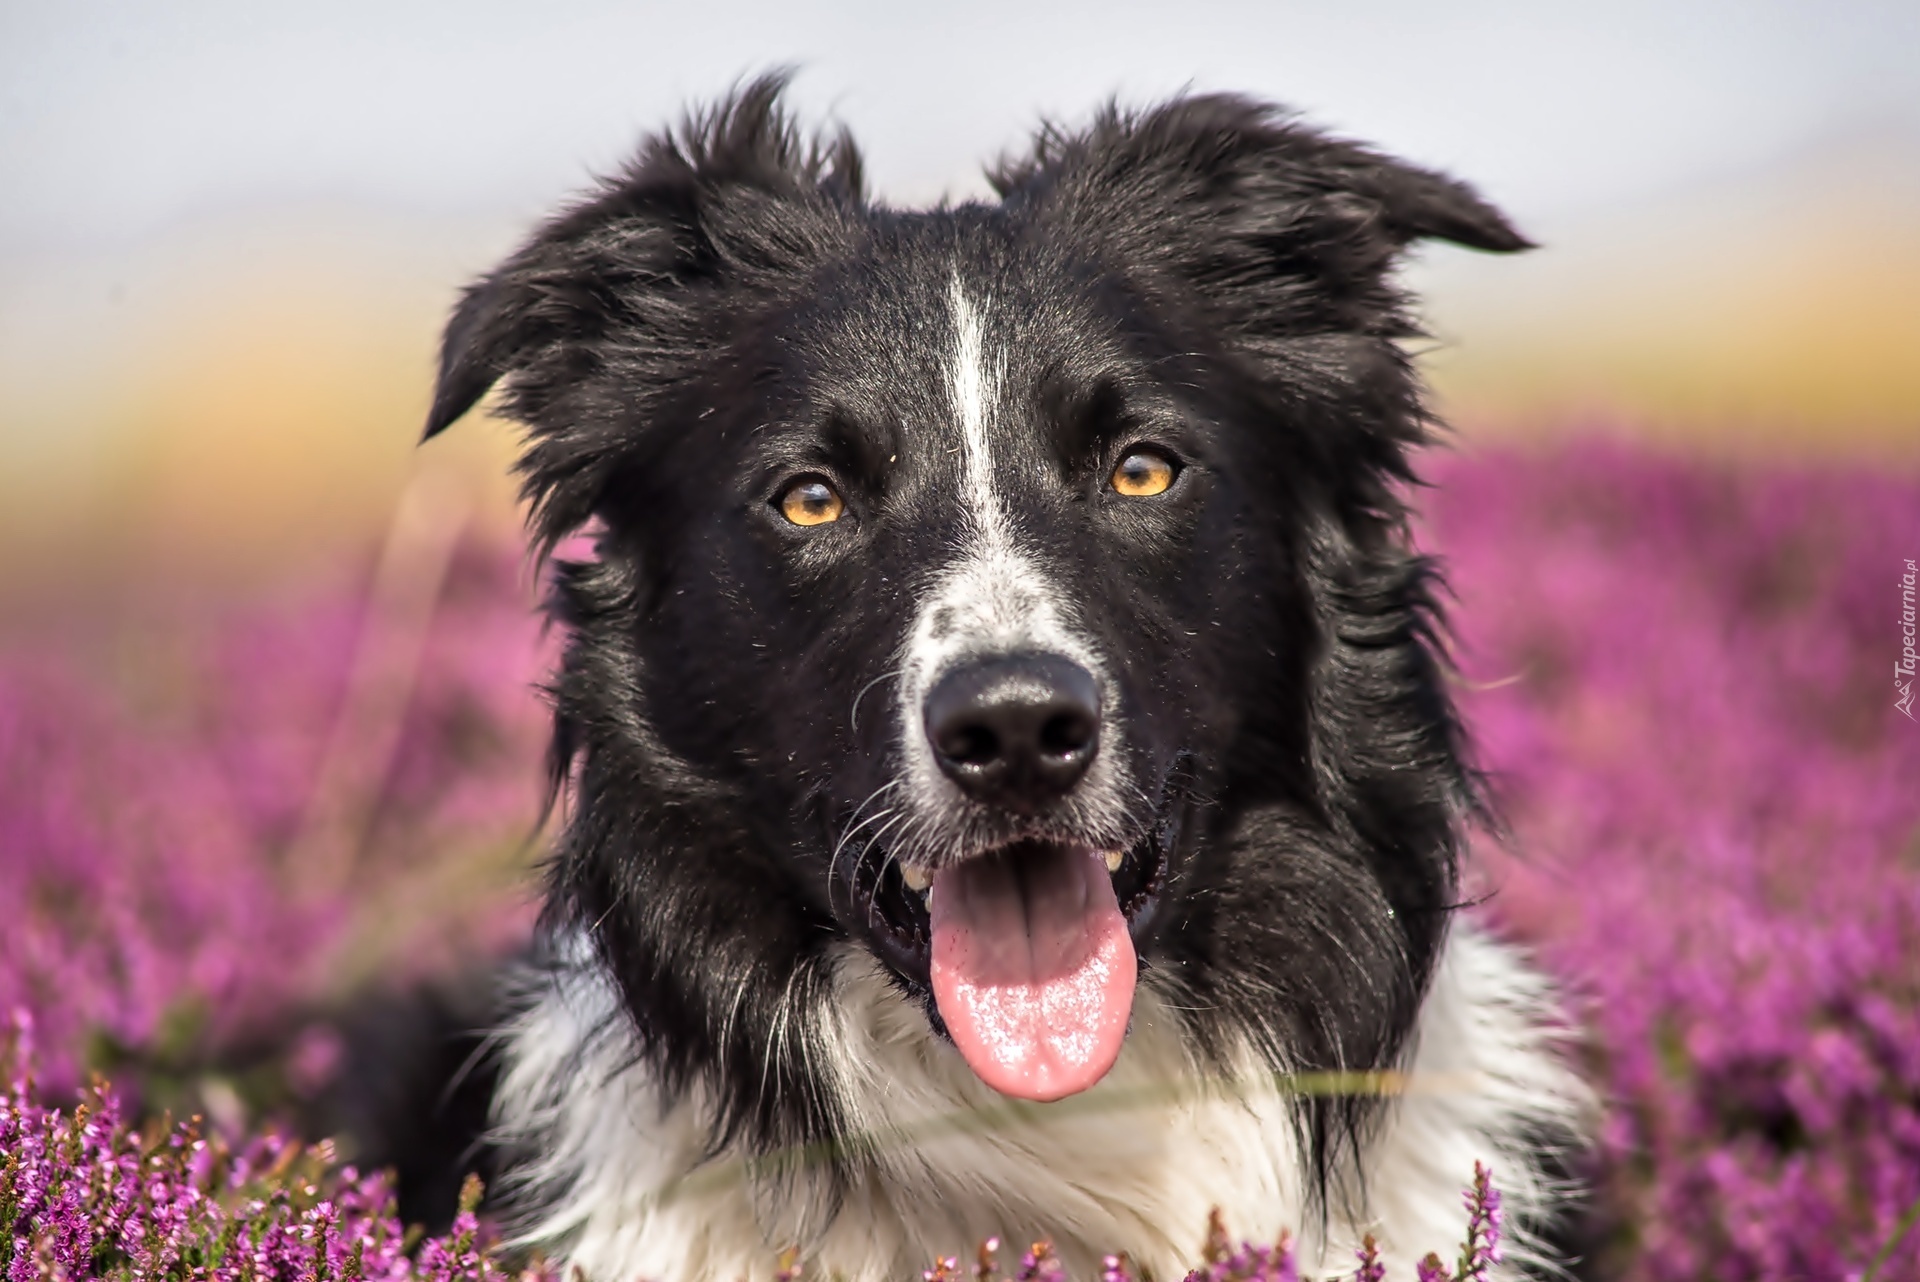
[573, 282]
[614, 304]
[494, 321]
[689, 211]
[1269, 217]
[1418, 204]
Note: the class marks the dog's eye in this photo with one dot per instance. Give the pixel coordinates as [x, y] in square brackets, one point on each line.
[810, 501]
[1143, 474]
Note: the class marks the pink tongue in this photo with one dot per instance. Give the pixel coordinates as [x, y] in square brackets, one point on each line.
[1033, 970]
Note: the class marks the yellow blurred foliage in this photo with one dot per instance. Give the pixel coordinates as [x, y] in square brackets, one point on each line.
[256, 427]
[258, 412]
[1776, 314]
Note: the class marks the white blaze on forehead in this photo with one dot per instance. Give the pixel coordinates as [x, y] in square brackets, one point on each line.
[974, 386]
[991, 596]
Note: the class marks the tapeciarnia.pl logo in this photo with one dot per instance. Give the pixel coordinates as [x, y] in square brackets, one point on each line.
[1904, 667]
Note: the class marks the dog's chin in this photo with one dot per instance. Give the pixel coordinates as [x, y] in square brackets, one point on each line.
[1025, 955]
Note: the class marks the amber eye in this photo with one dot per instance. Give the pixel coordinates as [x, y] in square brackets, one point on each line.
[811, 502]
[1143, 474]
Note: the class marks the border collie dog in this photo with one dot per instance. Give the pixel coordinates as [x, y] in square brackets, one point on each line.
[1011, 788]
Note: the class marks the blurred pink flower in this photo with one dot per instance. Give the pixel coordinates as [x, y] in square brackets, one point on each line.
[1674, 673]
[1676, 676]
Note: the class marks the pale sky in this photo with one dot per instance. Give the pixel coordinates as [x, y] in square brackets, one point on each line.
[122, 118]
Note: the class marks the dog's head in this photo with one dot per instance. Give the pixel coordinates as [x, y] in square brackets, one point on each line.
[1016, 588]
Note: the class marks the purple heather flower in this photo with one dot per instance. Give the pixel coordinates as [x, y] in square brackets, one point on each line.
[1482, 1250]
[1040, 1264]
[1372, 1268]
[1673, 672]
[82, 1195]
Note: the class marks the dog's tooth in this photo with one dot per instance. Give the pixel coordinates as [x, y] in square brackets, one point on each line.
[1113, 858]
[916, 878]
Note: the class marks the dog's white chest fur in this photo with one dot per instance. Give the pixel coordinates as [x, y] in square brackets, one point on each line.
[941, 1162]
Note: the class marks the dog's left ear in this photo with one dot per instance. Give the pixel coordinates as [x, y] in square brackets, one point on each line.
[1292, 228]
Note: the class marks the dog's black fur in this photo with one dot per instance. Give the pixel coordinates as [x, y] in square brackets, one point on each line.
[732, 310]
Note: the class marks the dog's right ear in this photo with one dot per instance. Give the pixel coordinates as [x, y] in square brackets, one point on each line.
[1284, 229]
[633, 282]
[572, 283]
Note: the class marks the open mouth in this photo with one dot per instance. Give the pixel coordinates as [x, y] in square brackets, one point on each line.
[1028, 952]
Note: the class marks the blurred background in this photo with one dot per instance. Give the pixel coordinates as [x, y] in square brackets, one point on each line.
[269, 739]
[231, 230]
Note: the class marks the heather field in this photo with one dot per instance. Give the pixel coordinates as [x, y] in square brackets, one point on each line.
[220, 824]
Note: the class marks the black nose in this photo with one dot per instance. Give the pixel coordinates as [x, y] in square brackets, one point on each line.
[1015, 731]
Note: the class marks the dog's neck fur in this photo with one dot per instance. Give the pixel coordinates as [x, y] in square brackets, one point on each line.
[628, 1183]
